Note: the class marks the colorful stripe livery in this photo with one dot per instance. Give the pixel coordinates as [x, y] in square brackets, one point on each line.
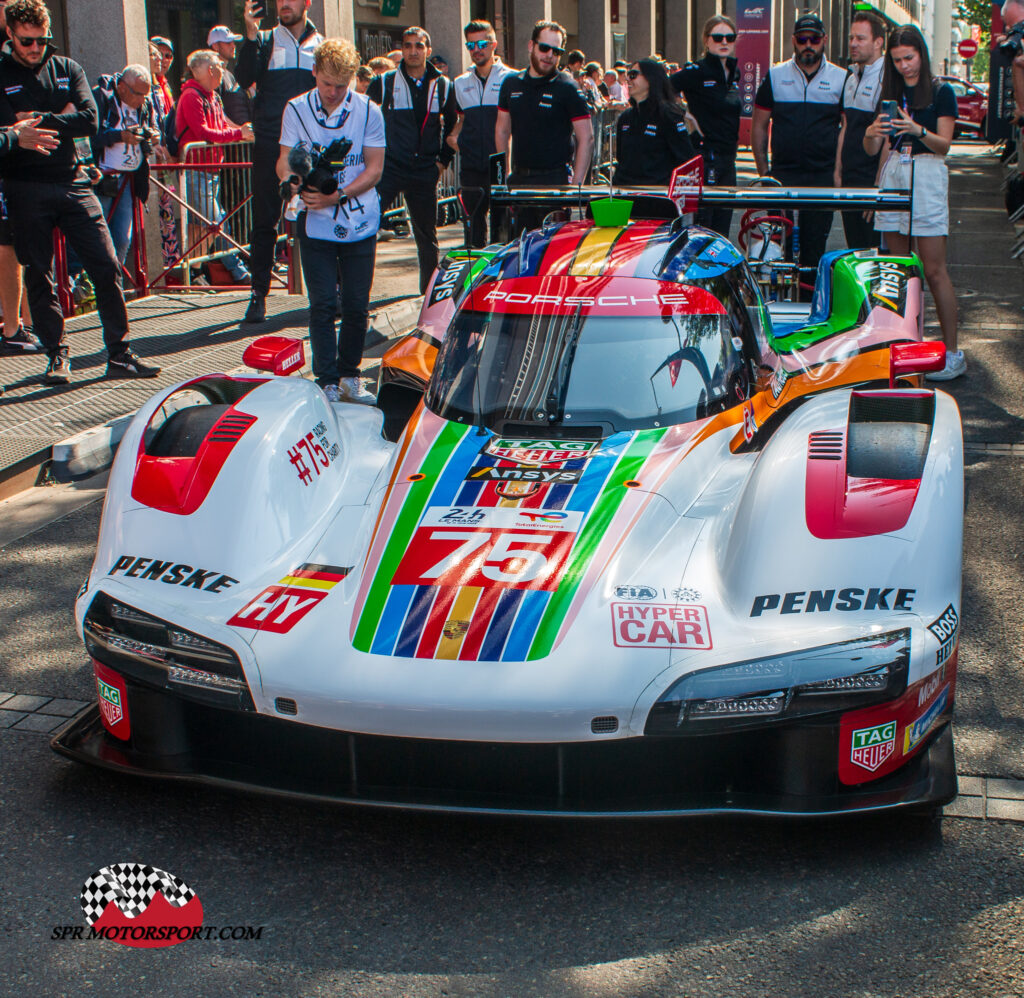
[528, 566]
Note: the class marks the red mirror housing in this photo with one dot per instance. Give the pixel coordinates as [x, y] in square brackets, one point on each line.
[275, 354]
[915, 358]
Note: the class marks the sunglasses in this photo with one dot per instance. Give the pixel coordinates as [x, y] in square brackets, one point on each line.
[731, 37]
[808, 39]
[545, 48]
[480, 45]
[27, 43]
[632, 74]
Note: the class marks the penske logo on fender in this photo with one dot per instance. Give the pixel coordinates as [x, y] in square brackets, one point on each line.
[130, 567]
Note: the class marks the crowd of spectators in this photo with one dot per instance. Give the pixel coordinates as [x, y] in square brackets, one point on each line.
[826, 130]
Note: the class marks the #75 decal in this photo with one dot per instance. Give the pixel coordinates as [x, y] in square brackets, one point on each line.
[488, 547]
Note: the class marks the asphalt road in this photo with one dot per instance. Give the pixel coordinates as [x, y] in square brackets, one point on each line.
[369, 903]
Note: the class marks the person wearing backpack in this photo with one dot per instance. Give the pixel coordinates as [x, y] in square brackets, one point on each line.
[420, 112]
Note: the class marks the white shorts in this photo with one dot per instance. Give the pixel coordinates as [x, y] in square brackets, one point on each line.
[930, 205]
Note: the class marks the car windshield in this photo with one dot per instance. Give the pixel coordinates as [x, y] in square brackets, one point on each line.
[576, 369]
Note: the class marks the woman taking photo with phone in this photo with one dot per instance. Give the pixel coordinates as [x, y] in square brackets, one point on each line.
[712, 91]
[914, 139]
[651, 136]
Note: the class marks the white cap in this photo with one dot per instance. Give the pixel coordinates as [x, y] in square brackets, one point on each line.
[220, 33]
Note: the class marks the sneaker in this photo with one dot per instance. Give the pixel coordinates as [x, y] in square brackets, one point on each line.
[128, 365]
[58, 371]
[19, 344]
[332, 393]
[353, 390]
[955, 366]
[257, 310]
[240, 273]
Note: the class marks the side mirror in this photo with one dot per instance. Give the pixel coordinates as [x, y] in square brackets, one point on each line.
[278, 355]
[915, 358]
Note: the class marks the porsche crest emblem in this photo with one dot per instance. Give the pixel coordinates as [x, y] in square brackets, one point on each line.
[454, 629]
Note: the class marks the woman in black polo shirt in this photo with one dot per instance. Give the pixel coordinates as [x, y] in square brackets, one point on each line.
[917, 140]
[651, 136]
[712, 91]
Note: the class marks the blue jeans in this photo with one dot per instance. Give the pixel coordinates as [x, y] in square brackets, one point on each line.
[337, 355]
[201, 193]
[119, 218]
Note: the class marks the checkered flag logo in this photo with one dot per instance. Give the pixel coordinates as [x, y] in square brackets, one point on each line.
[132, 887]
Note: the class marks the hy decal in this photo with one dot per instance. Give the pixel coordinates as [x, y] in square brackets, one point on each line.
[279, 607]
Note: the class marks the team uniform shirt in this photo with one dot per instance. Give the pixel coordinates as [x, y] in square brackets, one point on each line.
[356, 118]
[282, 68]
[477, 101]
[543, 110]
[712, 94]
[650, 144]
[860, 106]
[943, 105]
[805, 117]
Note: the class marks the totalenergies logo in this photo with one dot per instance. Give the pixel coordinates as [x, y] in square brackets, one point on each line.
[543, 517]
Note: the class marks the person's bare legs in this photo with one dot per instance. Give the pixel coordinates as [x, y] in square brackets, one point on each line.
[12, 290]
[932, 251]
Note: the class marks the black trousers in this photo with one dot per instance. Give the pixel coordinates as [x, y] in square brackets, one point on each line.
[814, 225]
[337, 354]
[476, 196]
[36, 208]
[266, 213]
[421, 200]
[719, 171]
[860, 234]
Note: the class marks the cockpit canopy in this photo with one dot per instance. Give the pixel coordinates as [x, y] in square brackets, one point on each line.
[620, 352]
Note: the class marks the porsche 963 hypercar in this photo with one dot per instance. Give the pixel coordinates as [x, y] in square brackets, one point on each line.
[621, 538]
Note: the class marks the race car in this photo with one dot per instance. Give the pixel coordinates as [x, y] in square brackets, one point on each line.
[621, 538]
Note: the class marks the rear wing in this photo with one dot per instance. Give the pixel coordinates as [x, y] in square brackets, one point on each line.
[687, 191]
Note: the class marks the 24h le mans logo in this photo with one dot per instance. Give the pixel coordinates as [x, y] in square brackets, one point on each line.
[870, 747]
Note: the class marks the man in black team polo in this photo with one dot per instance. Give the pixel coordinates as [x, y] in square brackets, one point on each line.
[541, 110]
[280, 64]
[803, 100]
[418, 105]
[48, 191]
[854, 167]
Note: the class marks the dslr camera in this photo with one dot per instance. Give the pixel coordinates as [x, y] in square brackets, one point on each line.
[1013, 44]
[315, 170]
[148, 137]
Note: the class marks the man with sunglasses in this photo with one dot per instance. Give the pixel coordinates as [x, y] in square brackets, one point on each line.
[476, 94]
[803, 100]
[47, 192]
[542, 111]
[418, 105]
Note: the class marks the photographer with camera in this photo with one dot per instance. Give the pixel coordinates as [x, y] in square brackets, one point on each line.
[332, 156]
[128, 136]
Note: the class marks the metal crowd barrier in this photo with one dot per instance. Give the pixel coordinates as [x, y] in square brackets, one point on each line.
[449, 210]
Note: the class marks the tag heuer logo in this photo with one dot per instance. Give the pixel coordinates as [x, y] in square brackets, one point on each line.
[110, 703]
[870, 747]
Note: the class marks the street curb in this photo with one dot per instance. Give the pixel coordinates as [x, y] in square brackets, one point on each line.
[93, 450]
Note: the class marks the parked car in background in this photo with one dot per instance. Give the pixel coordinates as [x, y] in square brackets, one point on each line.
[972, 105]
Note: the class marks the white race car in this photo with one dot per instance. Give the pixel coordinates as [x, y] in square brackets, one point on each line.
[645, 545]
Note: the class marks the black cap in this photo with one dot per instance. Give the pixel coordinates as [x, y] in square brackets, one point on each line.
[809, 22]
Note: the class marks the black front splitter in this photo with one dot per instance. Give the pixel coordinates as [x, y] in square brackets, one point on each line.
[303, 762]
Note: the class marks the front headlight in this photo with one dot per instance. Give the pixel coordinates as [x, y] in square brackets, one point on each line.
[844, 676]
